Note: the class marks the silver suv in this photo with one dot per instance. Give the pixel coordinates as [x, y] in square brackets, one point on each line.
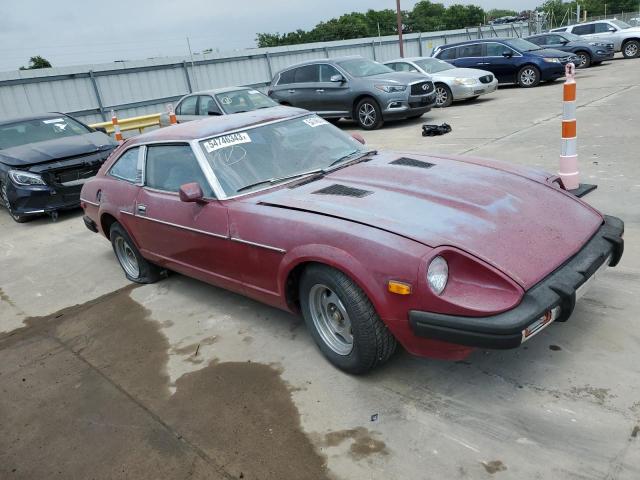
[353, 87]
[625, 38]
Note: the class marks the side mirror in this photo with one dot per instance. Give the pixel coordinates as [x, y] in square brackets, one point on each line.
[612, 29]
[214, 113]
[100, 129]
[337, 78]
[564, 41]
[191, 192]
[507, 54]
[358, 137]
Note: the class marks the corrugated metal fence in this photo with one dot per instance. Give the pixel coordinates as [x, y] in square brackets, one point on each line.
[89, 92]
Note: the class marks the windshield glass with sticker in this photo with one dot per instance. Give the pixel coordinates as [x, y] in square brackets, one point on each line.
[275, 151]
[244, 101]
[38, 130]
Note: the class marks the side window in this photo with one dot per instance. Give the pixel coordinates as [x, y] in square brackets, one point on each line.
[327, 71]
[187, 106]
[447, 54]
[474, 50]
[171, 166]
[127, 167]
[405, 67]
[563, 29]
[554, 39]
[307, 74]
[207, 104]
[536, 40]
[497, 49]
[286, 77]
[602, 27]
[584, 29]
[392, 66]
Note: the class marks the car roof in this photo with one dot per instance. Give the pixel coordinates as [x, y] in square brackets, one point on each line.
[322, 60]
[592, 21]
[211, 126]
[215, 91]
[410, 59]
[26, 118]
[481, 40]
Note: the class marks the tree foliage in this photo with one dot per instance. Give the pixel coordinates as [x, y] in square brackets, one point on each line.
[37, 62]
[593, 7]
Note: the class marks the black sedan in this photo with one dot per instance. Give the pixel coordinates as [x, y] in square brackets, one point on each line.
[44, 161]
[589, 53]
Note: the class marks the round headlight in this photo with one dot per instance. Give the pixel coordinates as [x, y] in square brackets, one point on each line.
[438, 274]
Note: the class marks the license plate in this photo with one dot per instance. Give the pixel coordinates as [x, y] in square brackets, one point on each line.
[582, 289]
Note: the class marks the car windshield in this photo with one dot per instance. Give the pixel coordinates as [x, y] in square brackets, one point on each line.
[244, 101]
[248, 159]
[39, 130]
[433, 65]
[620, 24]
[522, 45]
[362, 67]
[572, 37]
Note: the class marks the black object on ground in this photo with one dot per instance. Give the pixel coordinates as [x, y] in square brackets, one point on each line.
[433, 130]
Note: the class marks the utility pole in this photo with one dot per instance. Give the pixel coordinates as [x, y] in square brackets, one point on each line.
[399, 21]
[193, 66]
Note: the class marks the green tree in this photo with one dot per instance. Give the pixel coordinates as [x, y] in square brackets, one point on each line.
[37, 62]
[427, 16]
[460, 16]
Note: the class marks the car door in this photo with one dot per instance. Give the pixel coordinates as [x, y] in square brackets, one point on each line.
[189, 237]
[607, 32]
[297, 86]
[186, 109]
[557, 42]
[469, 56]
[125, 180]
[331, 98]
[500, 60]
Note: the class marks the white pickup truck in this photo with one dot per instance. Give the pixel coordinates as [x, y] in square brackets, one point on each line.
[625, 38]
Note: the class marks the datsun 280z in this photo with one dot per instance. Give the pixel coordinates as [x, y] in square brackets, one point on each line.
[441, 254]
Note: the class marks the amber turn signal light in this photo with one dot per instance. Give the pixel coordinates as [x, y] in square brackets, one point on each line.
[399, 287]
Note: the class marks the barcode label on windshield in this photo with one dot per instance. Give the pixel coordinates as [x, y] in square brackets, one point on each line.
[315, 121]
[226, 141]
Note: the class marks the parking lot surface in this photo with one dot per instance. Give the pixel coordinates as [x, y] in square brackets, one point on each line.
[103, 379]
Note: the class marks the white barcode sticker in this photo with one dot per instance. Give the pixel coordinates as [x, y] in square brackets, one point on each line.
[227, 141]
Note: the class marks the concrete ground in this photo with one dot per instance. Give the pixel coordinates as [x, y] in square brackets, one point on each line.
[102, 379]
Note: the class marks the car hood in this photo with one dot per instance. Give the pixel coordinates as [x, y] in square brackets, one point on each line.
[518, 224]
[461, 73]
[40, 152]
[551, 53]
[399, 77]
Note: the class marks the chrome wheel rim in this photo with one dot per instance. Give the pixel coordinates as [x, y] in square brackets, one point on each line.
[631, 50]
[331, 319]
[583, 59]
[127, 257]
[367, 114]
[528, 77]
[441, 96]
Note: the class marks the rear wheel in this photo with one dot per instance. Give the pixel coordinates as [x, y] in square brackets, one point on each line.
[135, 267]
[631, 49]
[584, 59]
[368, 114]
[7, 204]
[444, 97]
[342, 321]
[528, 76]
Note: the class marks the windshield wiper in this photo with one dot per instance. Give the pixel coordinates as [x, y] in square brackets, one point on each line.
[349, 155]
[271, 181]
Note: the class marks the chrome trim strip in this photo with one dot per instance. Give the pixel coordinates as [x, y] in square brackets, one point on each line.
[90, 203]
[175, 225]
[260, 245]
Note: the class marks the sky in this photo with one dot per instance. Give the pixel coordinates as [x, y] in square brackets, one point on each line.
[77, 32]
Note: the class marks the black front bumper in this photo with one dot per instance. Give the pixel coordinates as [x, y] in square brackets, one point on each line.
[505, 330]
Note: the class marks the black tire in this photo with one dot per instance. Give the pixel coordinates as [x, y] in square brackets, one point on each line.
[528, 76]
[371, 114]
[444, 97]
[147, 272]
[474, 98]
[333, 121]
[7, 204]
[631, 49]
[585, 59]
[372, 343]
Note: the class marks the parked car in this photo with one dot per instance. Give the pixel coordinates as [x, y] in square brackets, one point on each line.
[511, 60]
[219, 101]
[450, 83]
[589, 53]
[353, 87]
[625, 38]
[438, 253]
[44, 160]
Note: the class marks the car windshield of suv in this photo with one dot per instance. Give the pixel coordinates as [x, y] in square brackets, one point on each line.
[522, 45]
[39, 130]
[620, 24]
[433, 65]
[362, 67]
[244, 101]
[268, 154]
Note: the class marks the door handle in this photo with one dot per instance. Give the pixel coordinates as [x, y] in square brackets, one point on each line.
[291, 91]
[320, 90]
[142, 209]
[483, 63]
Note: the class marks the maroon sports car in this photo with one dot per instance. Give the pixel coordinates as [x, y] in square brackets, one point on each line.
[442, 254]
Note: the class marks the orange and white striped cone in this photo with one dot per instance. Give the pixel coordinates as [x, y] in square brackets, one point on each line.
[116, 127]
[569, 155]
[172, 114]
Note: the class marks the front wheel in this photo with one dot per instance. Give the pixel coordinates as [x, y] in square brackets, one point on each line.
[368, 114]
[343, 321]
[7, 204]
[444, 97]
[631, 49]
[135, 267]
[584, 59]
[528, 76]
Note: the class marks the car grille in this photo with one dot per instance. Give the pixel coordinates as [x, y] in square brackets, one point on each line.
[486, 79]
[421, 88]
[343, 190]
[74, 174]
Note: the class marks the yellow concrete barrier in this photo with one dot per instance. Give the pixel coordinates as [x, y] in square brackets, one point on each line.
[133, 123]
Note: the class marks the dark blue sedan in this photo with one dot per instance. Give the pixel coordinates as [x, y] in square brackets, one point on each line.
[511, 60]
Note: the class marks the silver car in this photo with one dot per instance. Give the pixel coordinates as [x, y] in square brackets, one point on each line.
[451, 83]
[219, 101]
[625, 38]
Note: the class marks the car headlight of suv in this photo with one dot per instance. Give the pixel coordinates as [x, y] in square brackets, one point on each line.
[20, 177]
[438, 274]
[391, 88]
[551, 60]
[464, 81]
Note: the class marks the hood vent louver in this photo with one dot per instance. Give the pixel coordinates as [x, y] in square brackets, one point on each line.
[412, 162]
[342, 190]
